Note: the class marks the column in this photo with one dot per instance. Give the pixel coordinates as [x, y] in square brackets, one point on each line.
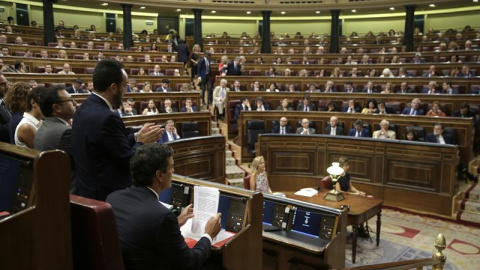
[48, 24]
[197, 28]
[127, 26]
[266, 40]
[409, 25]
[335, 31]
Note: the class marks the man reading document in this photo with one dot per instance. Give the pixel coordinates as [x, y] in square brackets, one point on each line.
[149, 233]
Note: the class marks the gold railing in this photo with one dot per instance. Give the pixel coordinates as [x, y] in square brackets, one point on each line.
[437, 261]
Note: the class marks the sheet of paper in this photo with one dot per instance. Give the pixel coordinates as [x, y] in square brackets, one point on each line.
[187, 233]
[307, 192]
[168, 206]
[205, 205]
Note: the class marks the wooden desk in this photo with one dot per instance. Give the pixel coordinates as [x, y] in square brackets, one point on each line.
[361, 210]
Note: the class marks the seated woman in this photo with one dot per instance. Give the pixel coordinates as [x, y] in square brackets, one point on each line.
[273, 88]
[343, 183]
[436, 110]
[259, 178]
[31, 121]
[291, 88]
[151, 108]
[410, 135]
[371, 106]
[285, 106]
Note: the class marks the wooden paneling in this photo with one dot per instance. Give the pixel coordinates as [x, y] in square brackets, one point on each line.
[201, 158]
[379, 167]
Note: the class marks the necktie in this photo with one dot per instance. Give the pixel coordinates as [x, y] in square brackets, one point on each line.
[412, 112]
[357, 134]
[438, 140]
[207, 64]
[332, 131]
[306, 108]
[4, 112]
[283, 130]
[222, 93]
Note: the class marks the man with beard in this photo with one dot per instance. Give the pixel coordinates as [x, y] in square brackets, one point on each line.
[101, 146]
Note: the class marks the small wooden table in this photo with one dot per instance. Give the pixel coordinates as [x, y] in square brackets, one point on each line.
[361, 209]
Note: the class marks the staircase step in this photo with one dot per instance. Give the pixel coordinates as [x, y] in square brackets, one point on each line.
[234, 172]
[236, 182]
[214, 131]
[228, 153]
[468, 216]
[471, 206]
[230, 161]
[213, 124]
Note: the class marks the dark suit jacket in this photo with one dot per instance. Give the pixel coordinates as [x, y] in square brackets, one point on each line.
[232, 70]
[160, 89]
[338, 132]
[265, 106]
[149, 234]
[164, 138]
[407, 111]
[301, 107]
[363, 133]
[4, 124]
[101, 149]
[433, 139]
[276, 129]
[72, 91]
[184, 109]
[238, 109]
[357, 109]
[374, 90]
[182, 53]
[310, 130]
[388, 110]
[408, 90]
[162, 110]
[202, 69]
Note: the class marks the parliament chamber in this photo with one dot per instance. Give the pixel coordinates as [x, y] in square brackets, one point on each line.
[42, 226]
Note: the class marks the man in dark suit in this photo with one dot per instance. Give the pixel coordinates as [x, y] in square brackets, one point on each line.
[55, 132]
[438, 136]
[149, 233]
[167, 107]
[464, 112]
[369, 88]
[243, 106]
[431, 72]
[358, 130]
[182, 52]
[383, 109]
[404, 88]
[349, 88]
[234, 68]
[260, 105]
[352, 107]
[5, 114]
[283, 127]
[189, 106]
[156, 71]
[447, 88]
[164, 87]
[306, 106]
[333, 129]
[305, 129]
[102, 148]
[204, 76]
[170, 133]
[76, 87]
[414, 108]
[237, 87]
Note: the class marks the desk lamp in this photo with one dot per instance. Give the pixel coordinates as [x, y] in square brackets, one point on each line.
[335, 171]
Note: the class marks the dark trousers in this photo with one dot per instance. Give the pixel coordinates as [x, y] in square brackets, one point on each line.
[207, 83]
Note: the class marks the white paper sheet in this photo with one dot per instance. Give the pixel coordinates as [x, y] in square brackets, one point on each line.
[205, 205]
[307, 192]
[187, 233]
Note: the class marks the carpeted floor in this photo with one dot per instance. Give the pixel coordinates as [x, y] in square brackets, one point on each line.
[406, 236]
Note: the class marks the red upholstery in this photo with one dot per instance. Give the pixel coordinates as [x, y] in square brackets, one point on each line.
[326, 182]
[246, 182]
[95, 242]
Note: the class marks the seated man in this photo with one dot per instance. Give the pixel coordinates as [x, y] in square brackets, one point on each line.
[237, 87]
[384, 133]
[437, 136]
[167, 107]
[149, 233]
[352, 107]
[404, 88]
[170, 133]
[349, 88]
[369, 88]
[189, 106]
[447, 88]
[156, 71]
[431, 72]
[432, 88]
[465, 72]
[76, 87]
[334, 129]
[414, 108]
[358, 130]
[131, 103]
[312, 88]
[132, 85]
[127, 109]
[383, 109]
[164, 87]
[48, 69]
[66, 70]
[283, 127]
[306, 105]
[330, 87]
[243, 106]
[465, 112]
[260, 105]
[305, 129]
[219, 95]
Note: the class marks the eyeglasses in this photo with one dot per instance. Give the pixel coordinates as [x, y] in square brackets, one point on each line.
[69, 100]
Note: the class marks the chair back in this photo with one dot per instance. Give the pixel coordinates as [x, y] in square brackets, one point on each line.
[95, 242]
[190, 129]
[254, 128]
[326, 182]
[246, 182]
